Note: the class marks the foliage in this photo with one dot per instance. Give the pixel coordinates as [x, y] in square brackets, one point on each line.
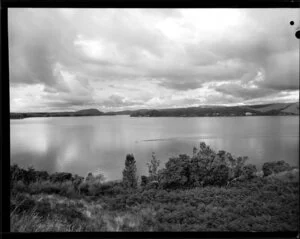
[190, 194]
[153, 167]
[206, 167]
[144, 181]
[249, 171]
[95, 178]
[218, 176]
[27, 176]
[129, 173]
[60, 177]
[176, 173]
[275, 167]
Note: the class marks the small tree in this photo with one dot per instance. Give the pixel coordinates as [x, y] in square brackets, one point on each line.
[129, 173]
[153, 167]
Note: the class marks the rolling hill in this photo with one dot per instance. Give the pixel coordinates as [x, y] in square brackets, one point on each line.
[269, 109]
[201, 111]
[87, 112]
[294, 109]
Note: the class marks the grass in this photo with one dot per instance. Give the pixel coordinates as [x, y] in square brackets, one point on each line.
[260, 204]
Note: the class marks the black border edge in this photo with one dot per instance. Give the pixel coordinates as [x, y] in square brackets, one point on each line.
[149, 235]
[5, 110]
[5, 125]
[152, 3]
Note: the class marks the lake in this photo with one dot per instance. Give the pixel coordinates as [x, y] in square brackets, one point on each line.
[83, 144]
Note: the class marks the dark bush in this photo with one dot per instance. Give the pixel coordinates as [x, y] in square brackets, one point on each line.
[24, 204]
[129, 173]
[249, 171]
[43, 208]
[218, 176]
[275, 167]
[152, 185]
[176, 173]
[144, 181]
[84, 188]
[199, 169]
[60, 177]
[77, 180]
[153, 166]
[111, 189]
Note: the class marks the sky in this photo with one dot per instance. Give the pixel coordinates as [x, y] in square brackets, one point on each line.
[127, 59]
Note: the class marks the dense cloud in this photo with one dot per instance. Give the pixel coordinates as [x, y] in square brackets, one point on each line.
[115, 59]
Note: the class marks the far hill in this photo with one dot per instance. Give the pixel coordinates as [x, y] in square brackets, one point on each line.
[293, 108]
[202, 111]
[87, 112]
[124, 112]
[279, 106]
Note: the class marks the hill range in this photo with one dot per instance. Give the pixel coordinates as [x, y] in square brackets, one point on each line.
[201, 111]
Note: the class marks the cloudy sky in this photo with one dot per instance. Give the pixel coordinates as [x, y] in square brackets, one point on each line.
[117, 59]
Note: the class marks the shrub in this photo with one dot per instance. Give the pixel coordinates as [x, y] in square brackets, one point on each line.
[199, 168]
[153, 167]
[249, 171]
[60, 177]
[84, 188]
[129, 173]
[152, 185]
[240, 162]
[219, 176]
[111, 189]
[210, 168]
[77, 180]
[19, 186]
[275, 167]
[20, 174]
[144, 181]
[22, 204]
[41, 175]
[43, 187]
[176, 173]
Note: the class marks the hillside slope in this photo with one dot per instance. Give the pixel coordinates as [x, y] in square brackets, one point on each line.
[89, 112]
[279, 106]
[293, 108]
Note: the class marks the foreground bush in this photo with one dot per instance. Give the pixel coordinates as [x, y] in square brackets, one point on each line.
[259, 204]
[208, 191]
[275, 167]
[129, 173]
[205, 167]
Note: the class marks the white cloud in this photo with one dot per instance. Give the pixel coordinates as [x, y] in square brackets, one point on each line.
[134, 58]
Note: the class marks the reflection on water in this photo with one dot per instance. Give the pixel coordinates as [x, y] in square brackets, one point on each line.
[83, 144]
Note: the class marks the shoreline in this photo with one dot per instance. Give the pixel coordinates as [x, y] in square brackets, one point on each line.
[221, 116]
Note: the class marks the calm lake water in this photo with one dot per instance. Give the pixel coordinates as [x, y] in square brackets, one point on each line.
[82, 144]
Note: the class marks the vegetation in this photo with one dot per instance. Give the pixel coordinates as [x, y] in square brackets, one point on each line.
[266, 109]
[208, 191]
[275, 167]
[130, 179]
[153, 167]
[271, 109]
[87, 112]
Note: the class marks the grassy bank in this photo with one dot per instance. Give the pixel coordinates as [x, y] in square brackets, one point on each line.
[60, 202]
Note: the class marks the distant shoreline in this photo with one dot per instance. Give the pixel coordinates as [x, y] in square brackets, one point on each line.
[150, 116]
[276, 109]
